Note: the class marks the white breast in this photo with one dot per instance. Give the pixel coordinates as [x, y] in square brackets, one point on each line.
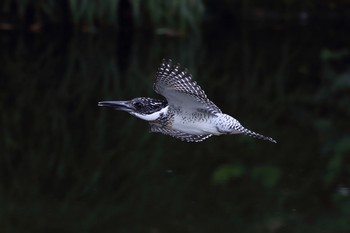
[151, 117]
[195, 123]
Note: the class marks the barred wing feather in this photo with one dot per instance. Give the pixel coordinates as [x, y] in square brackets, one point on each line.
[177, 86]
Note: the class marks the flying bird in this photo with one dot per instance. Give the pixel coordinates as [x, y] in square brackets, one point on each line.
[186, 114]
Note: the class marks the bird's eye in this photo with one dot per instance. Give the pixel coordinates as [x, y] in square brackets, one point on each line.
[138, 105]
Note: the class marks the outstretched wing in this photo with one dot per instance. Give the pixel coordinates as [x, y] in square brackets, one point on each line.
[178, 134]
[177, 86]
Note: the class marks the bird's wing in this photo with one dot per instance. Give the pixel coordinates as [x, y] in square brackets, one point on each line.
[177, 86]
[178, 134]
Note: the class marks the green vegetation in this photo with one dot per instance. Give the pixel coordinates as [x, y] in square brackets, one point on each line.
[68, 166]
[175, 17]
[180, 15]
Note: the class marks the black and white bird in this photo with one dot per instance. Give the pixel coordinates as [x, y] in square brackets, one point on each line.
[186, 114]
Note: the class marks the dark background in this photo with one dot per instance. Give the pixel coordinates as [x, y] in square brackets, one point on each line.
[281, 68]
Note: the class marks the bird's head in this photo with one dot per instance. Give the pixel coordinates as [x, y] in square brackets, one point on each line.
[142, 107]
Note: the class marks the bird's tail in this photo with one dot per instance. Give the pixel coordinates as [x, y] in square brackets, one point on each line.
[254, 135]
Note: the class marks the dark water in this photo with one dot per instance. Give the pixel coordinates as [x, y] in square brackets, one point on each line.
[67, 165]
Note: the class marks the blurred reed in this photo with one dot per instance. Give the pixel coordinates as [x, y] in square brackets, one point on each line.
[175, 17]
[180, 15]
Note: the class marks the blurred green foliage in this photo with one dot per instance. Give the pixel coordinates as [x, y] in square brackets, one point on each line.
[267, 175]
[68, 166]
[179, 15]
[327, 54]
[224, 174]
[174, 17]
[340, 150]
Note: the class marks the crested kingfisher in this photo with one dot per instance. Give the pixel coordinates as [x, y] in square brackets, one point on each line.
[186, 114]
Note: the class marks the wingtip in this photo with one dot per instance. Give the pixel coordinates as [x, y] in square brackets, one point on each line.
[167, 61]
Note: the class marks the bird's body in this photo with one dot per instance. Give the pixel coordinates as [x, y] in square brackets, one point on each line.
[187, 114]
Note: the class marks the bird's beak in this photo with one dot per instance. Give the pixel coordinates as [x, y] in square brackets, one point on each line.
[118, 105]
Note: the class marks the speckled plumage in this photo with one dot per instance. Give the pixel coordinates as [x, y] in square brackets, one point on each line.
[187, 113]
[177, 86]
